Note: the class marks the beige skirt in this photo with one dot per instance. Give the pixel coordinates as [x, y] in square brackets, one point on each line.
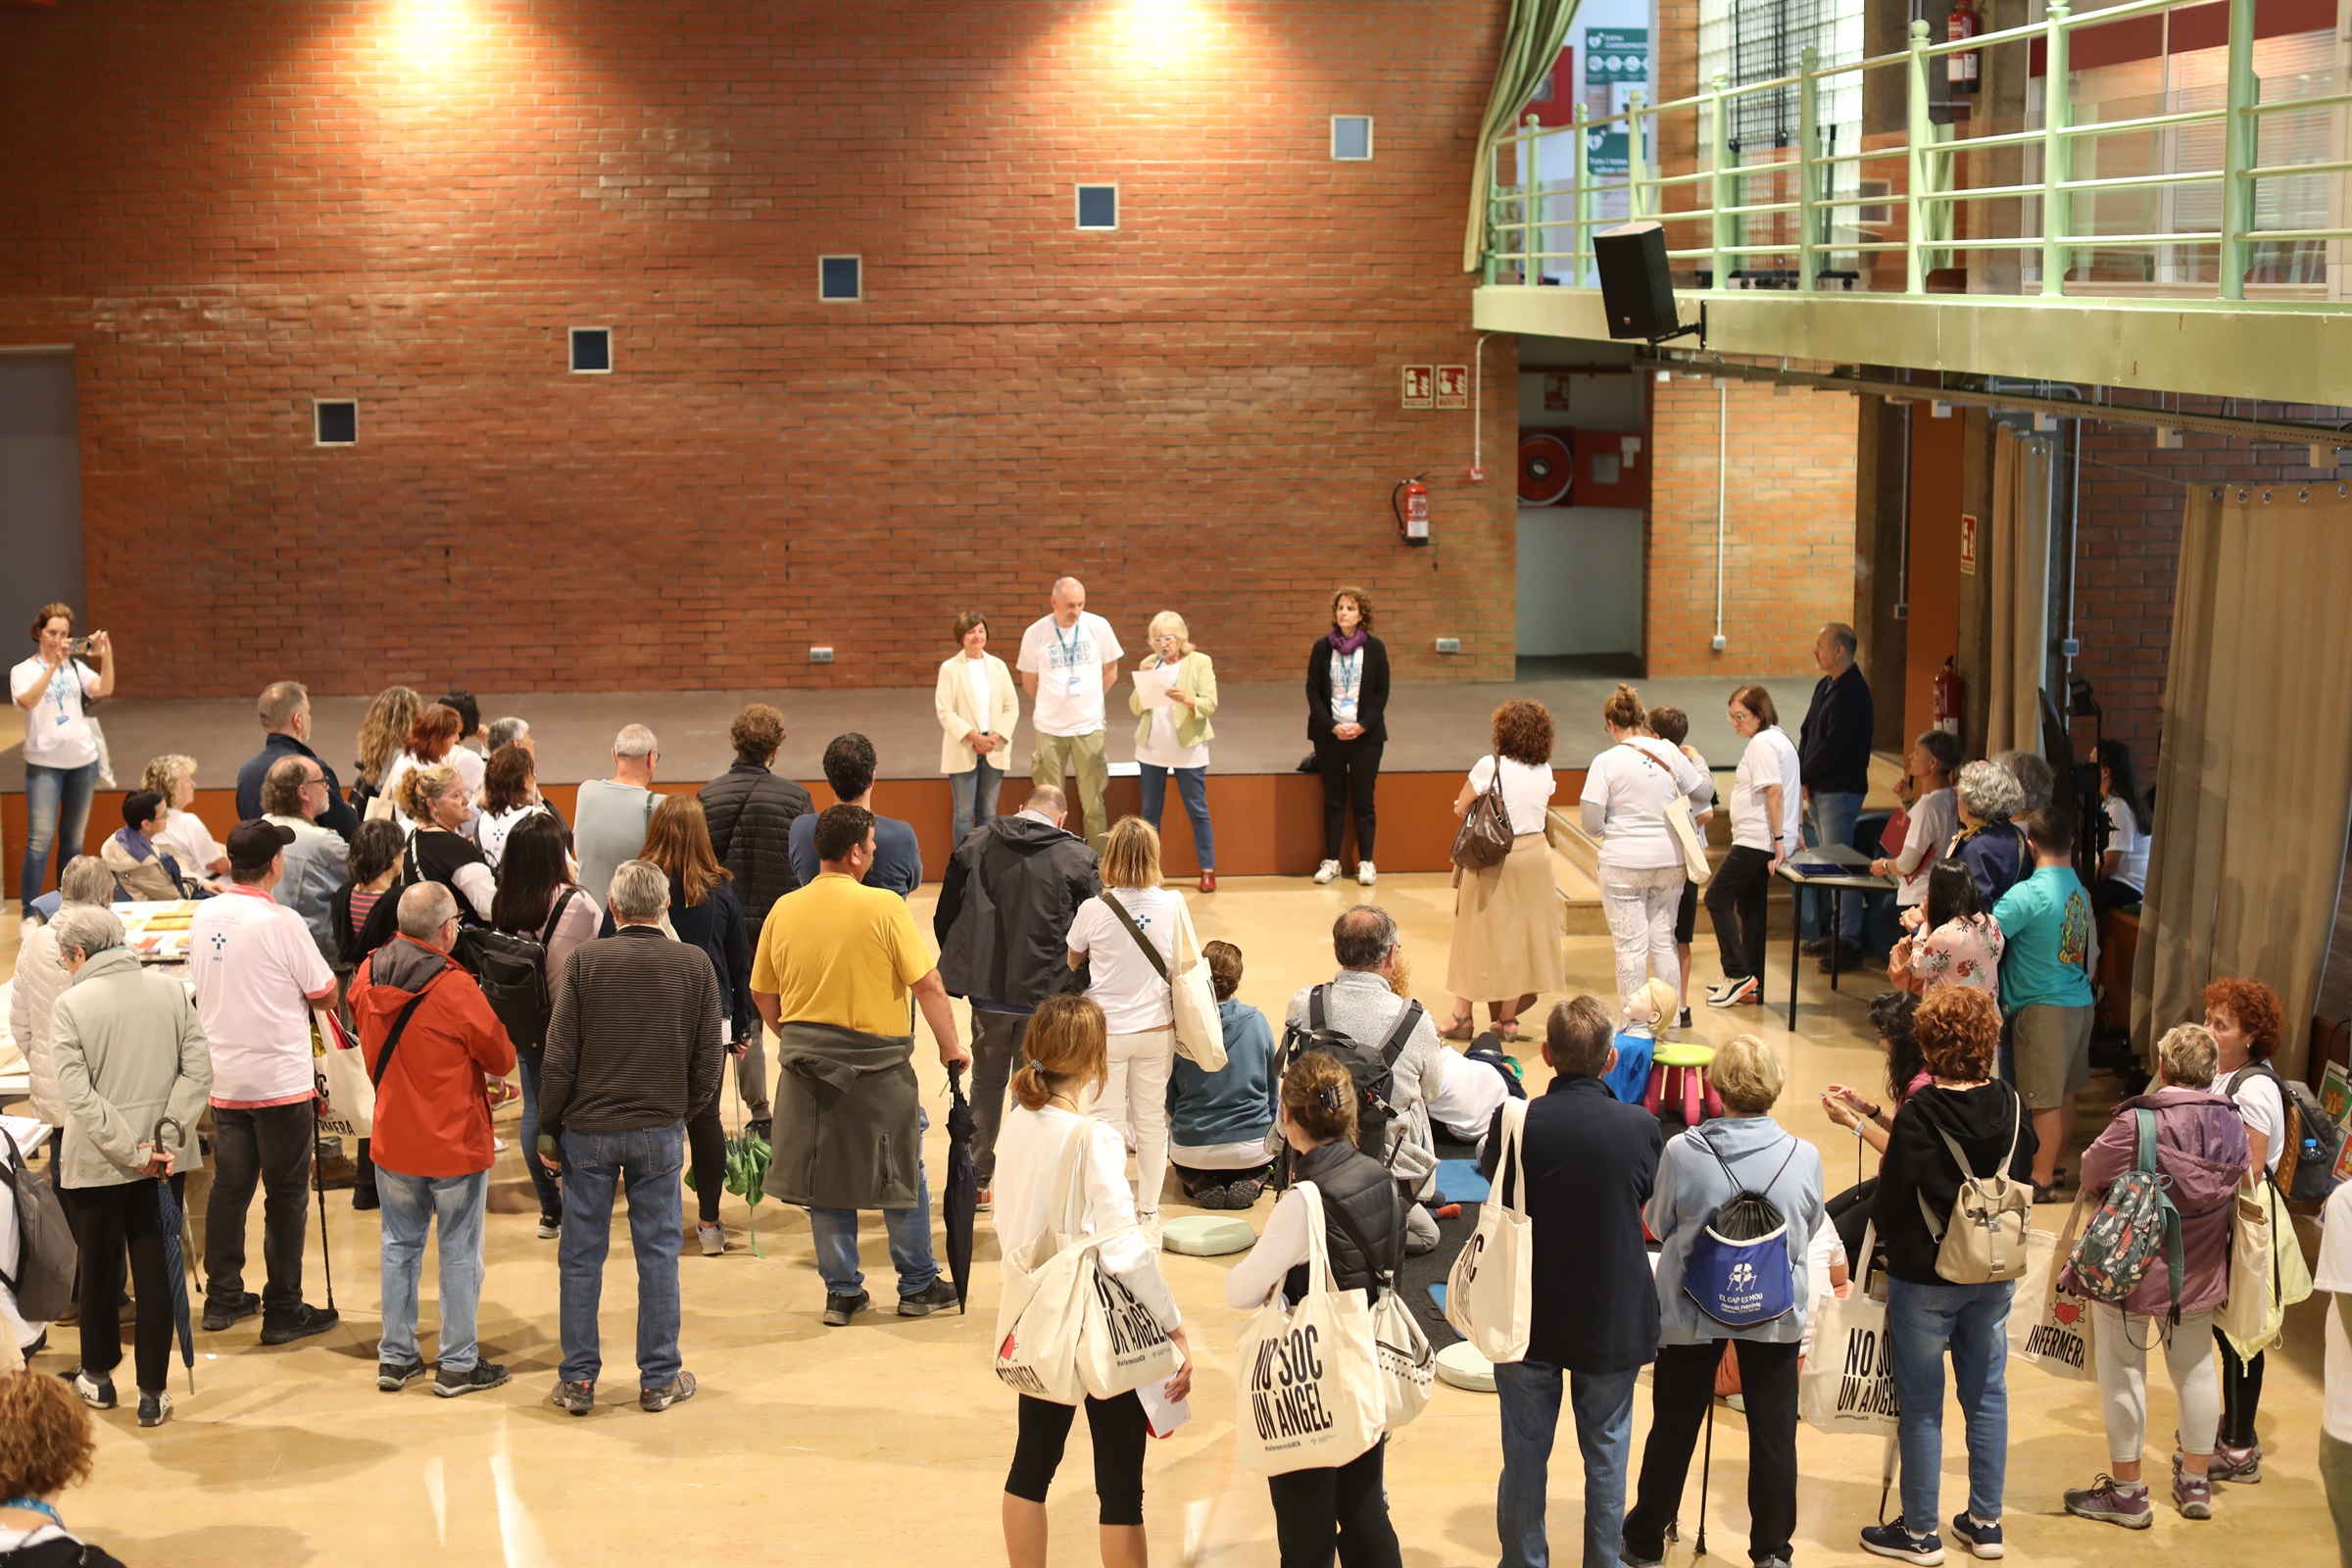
[1507, 927]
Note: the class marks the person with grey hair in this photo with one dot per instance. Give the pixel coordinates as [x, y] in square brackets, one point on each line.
[85, 882]
[1069, 660]
[133, 1070]
[431, 1144]
[510, 732]
[1366, 1002]
[1832, 748]
[611, 814]
[636, 1047]
[1933, 817]
[2035, 779]
[284, 711]
[293, 795]
[1987, 798]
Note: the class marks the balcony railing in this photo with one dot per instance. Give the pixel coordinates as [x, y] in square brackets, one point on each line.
[1804, 200]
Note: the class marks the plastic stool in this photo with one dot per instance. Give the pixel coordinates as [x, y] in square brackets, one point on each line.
[1679, 1070]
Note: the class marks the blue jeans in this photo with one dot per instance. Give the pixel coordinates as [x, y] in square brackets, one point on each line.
[543, 1180]
[1971, 1321]
[646, 1164]
[1832, 821]
[1603, 1403]
[1193, 784]
[975, 795]
[412, 1203]
[53, 796]
[835, 1231]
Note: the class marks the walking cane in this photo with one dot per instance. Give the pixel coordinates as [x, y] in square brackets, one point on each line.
[327, 1261]
[1705, 1464]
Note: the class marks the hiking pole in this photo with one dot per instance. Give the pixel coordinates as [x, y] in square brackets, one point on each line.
[327, 1261]
[1705, 1465]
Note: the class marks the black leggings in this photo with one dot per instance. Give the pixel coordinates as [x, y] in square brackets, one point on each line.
[1119, 1430]
[706, 1145]
[1346, 1507]
[2241, 1395]
[1350, 773]
[1736, 904]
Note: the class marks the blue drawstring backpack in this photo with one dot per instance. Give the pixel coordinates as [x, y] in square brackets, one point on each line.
[1739, 1271]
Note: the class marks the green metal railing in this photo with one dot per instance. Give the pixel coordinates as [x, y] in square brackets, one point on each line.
[1519, 217]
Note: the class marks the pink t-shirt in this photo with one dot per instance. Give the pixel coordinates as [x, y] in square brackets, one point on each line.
[255, 967]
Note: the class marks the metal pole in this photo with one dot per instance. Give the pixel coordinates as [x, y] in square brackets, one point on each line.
[2240, 137]
[1637, 204]
[1808, 178]
[1530, 180]
[1722, 228]
[1922, 136]
[2057, 156]
[1581, 205]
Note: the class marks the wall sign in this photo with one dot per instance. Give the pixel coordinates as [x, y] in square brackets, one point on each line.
[1454, 387]
[1417, 380]
[1968, 544]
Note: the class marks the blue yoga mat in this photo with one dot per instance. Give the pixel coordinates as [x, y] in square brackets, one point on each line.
[1461, 1182]
[1436, 1294]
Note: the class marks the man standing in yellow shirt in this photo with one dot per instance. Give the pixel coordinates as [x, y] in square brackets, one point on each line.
[835, 965]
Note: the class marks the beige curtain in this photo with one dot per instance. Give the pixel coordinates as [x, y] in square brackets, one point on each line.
[1531, 44]
[2019, 558]
[2255, 776]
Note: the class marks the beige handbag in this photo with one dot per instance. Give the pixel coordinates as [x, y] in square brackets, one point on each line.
[1680, 822]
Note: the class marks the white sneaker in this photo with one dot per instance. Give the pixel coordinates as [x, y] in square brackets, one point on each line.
[714, 1239]
[1326, 872]
[32, 924]
[1367, 873]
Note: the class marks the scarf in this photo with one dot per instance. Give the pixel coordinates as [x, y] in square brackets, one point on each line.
[1351, 642]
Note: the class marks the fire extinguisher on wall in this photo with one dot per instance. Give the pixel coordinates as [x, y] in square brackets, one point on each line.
[1950, 692]
[1964, 24]
[1410, 502]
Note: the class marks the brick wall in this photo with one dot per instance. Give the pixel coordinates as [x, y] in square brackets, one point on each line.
[228, 209]
[1789, 548]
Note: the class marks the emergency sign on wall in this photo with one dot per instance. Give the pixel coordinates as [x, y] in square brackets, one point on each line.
[1417, 387]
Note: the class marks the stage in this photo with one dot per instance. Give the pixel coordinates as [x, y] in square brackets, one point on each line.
[1269, 816]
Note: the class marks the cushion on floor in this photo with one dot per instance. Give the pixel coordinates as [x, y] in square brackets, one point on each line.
[1460, 1364]
[1459, 1180]
[1207, 1235]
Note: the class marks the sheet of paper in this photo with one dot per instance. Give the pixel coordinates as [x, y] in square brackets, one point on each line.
[1164, 1414]
[1152, 685]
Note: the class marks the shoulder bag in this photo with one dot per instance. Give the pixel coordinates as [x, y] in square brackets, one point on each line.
[1193, 1001]
[1677, 812]
[1308, 1393]
[2049, 1323]
[1847, 1383]
[1489, 1291]
[1408, 1364]
[1484, 840]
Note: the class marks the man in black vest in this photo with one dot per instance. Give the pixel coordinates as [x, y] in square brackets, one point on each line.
[1591, 1165]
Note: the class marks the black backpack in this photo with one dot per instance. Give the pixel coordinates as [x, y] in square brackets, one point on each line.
[1373, 1070]
[510, 968]
[47, 1253]
[2319, 1140]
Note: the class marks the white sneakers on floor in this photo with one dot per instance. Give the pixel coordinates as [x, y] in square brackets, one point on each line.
[1326, 872]
[1367, 873]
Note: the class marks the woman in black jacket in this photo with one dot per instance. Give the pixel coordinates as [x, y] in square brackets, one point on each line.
[1347, 706]
[1343, 1507]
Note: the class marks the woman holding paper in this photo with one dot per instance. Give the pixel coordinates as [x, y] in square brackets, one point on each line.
[1175, 691]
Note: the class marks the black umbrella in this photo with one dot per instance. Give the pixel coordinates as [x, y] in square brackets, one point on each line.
[176, 1260]
[960, 1202]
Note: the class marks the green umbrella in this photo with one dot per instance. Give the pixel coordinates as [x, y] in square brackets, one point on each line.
[748, 1156]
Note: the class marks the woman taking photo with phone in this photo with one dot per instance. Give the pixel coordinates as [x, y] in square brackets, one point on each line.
[54, 688]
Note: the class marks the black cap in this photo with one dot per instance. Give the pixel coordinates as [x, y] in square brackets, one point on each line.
[252, 845]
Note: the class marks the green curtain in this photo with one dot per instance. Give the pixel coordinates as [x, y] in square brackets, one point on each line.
[1531, 42]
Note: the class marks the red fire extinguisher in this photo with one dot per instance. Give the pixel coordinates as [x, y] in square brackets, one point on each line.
[1410, 502]
[1949, 693]
[1964, 25]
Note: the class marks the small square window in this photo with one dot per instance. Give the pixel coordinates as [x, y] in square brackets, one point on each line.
[1352, 139]
[1098, 206]
[335, 421]
[591, 351]
[840, 278]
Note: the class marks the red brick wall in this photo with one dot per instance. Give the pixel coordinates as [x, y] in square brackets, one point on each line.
[1790, 545]
[230, 208]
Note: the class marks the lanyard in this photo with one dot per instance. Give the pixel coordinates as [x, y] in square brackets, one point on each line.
[34, 1505]
[1070, 648]
[1347, 669]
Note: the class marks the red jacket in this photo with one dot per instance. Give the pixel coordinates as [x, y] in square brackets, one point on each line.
[432, 1117]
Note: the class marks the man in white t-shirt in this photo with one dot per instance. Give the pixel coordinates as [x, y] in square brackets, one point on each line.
[61, 744]
[2334, 1276]
[1069, 660]
[258, 975]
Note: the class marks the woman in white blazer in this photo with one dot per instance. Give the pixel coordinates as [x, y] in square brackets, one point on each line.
[978, 706]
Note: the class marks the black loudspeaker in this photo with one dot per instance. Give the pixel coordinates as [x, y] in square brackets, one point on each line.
[1636, 290]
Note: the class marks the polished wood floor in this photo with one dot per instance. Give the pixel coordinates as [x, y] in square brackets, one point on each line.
[887, 1441]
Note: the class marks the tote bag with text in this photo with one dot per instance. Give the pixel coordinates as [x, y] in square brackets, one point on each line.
[2049, 1325]
[1848, 1381]
[1490, 1291]
[1308, 1381]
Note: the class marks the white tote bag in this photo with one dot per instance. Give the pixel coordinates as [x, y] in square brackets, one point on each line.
[1490, 1294]
[2049, 1325]
[346, 1093]
[1200, 1028]
[2288, 1280]
[1309, 1389]
[1408, 1367]
[1847, 1383]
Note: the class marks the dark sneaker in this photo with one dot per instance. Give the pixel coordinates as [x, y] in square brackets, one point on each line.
[1849, 961]
[551, 1226]
[839, 1310]
[364, 1198]
[1634, 1559]
[475, 1378]
[1982, 1537]
[1209, 1197]
[577, 1397]
[2191, 1495]
[930, 1299]
[1897, 1542]
[154, 1408]
[1814, 948]
[394, 1376]
[96, 1392]
[2242, 1466]
[299, 1324]
[1682, 1021]
[2112, 1503]
[218, 1315]
[655, 1400]
[1241, 1195]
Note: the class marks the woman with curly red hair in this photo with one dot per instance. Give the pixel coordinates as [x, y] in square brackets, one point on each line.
[45, 1446]
[2245, 1018]
[1506, 918]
